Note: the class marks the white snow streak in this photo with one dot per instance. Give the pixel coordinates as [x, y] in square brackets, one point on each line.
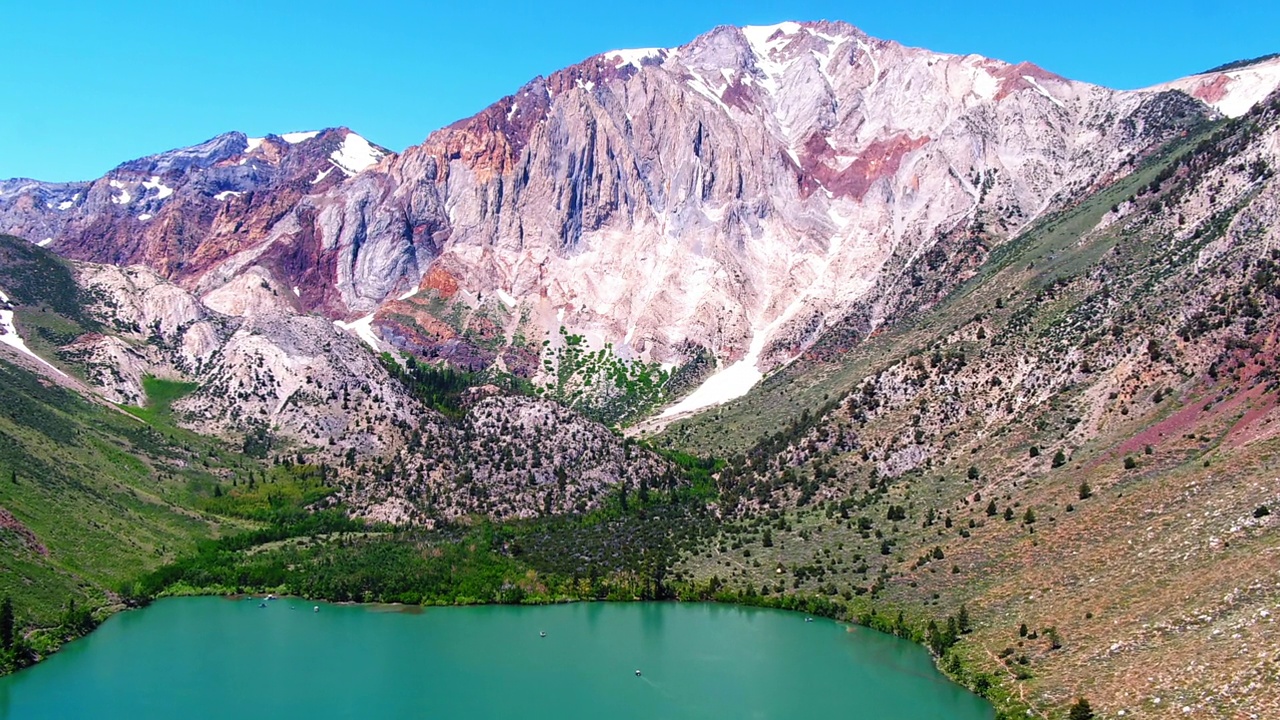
[408, 295]
[758, 35]
[1249, 87]
[9, 333]
[506, 299]
[985, 84]
[225, 194]
[363, 328]
[1040, 89]
[698, 85]
[875, 64]
[252, 144]
[762, 47]
[45, 242]
[737, 379]
[65, 205]
[321, 175]
[144, 217]
[1245, 87]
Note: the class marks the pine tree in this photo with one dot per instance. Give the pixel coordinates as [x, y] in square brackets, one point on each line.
[1080, 711]
[1059, 459]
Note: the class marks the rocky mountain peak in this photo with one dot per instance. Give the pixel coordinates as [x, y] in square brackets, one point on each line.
[731, 199]
[1231, 91]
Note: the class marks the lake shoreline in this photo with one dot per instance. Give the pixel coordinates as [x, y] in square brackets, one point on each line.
[953, 666]
[179, 643]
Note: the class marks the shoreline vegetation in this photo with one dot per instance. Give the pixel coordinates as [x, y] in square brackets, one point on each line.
[622, 555]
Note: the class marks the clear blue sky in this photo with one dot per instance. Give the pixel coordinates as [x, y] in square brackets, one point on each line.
[87, 84]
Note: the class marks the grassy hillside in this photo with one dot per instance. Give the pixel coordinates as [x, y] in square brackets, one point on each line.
[90, 497]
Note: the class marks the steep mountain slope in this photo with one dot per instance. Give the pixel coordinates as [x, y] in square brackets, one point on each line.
[277, 382]
[90, 497]
[735, 194]
[714, 205]
[1081, 439]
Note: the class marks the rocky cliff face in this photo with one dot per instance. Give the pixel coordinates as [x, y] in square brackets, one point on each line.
[739, 193]
[731, 199]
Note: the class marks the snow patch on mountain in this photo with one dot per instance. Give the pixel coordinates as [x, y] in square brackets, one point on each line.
[294, 138]
[124, 197]
[363, 329]
[762, 37]
[9, 333]
[1232, 93]
[252, 144]
[736, 380]
[227, 194]
[163, 191]
[1040, 89]
[354, 155]
[765, 42]
[505, 297]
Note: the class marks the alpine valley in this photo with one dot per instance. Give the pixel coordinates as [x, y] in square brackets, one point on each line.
[961, 350]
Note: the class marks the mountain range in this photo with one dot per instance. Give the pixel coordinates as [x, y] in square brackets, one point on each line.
[889, 289]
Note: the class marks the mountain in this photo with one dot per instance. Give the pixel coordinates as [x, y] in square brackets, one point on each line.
[1079, 438]
[976, 336]
[717, 205]
[181, 211]
[1232, 89]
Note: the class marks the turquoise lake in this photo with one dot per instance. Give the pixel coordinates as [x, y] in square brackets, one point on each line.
[230, 658]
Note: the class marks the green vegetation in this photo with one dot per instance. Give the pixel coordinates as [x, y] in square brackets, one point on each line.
[1236, 65]
[49, 303]
[161, 395]
[599, 384]
[442, 387]
[90, 496]
[1080, 710]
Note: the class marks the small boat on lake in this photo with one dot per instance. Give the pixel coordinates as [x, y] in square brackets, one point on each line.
[542, 634]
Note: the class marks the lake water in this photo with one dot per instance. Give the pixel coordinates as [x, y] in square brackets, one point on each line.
[225, 658]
